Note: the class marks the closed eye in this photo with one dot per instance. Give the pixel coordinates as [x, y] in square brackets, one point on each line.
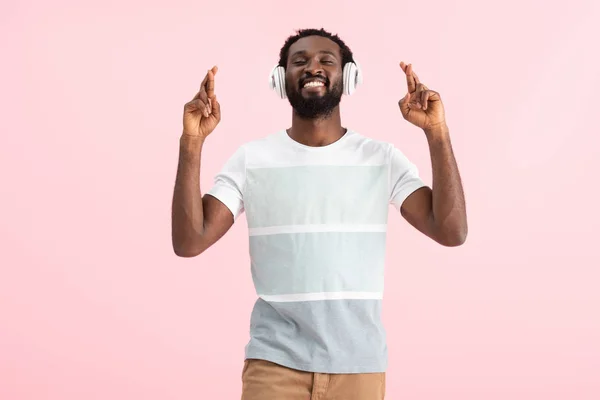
[325, 62]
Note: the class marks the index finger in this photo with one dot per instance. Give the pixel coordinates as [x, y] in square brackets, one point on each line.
[210, 83]
[411, 77]
[202, 88]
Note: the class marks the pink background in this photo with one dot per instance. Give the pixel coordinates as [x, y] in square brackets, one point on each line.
[95, 305]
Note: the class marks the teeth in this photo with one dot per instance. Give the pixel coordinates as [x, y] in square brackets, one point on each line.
[314, 84]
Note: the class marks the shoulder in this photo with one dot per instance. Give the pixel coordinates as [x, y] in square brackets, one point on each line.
[255, 147]
[370, 147]
[267, 142]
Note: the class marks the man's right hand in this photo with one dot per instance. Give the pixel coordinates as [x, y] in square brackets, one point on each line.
[203, 113]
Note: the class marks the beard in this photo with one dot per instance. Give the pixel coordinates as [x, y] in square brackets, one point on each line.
[315, 106]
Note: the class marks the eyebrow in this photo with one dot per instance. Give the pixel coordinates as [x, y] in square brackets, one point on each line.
[321, 51]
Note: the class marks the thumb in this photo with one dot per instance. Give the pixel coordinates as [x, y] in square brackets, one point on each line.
[403, 103]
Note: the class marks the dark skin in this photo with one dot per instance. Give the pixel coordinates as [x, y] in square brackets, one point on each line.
[200, 221]
[197, 221]
[439, 213]
[315, 55]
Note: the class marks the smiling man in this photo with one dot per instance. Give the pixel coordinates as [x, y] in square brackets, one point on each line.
[316, 197]
[312, 95]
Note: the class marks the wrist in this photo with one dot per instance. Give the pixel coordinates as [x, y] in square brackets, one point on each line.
[437, 132]
[191, 141]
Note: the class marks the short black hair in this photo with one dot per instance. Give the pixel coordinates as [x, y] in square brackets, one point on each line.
[302, 33]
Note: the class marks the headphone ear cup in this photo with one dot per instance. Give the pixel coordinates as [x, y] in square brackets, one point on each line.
[281, 73]
[352, 76]
[272, 79]
[359, 75]
[345, 77]
[277, 81]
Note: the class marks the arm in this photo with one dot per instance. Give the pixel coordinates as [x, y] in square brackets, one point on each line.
[197, 222]
[440, 212]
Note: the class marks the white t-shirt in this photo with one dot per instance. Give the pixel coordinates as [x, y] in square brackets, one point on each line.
[317, 222]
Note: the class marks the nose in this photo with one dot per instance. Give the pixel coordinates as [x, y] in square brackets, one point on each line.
[313, 67]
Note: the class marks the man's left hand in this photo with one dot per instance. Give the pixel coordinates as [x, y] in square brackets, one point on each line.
[421, 106]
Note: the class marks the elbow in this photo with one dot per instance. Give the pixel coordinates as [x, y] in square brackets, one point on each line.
[453, 237]
[186, 251]
[455, 241]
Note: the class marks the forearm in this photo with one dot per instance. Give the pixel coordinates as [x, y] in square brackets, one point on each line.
[448, 201]
[187, 218]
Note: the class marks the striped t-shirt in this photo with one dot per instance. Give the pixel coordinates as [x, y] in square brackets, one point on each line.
[317, 220]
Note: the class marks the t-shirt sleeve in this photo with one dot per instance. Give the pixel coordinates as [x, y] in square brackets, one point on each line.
[228, 185]
[404, 178]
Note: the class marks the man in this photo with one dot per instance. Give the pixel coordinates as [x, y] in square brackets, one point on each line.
[316, 197]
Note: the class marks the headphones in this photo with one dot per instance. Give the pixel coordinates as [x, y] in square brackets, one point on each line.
[352, 77]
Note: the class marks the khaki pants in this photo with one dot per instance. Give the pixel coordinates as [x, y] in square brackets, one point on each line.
[264, 380]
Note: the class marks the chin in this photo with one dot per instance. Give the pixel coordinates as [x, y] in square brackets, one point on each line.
[313, 95]
[308, 93]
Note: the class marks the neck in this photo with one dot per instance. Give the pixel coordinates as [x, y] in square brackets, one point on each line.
[317, 132]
